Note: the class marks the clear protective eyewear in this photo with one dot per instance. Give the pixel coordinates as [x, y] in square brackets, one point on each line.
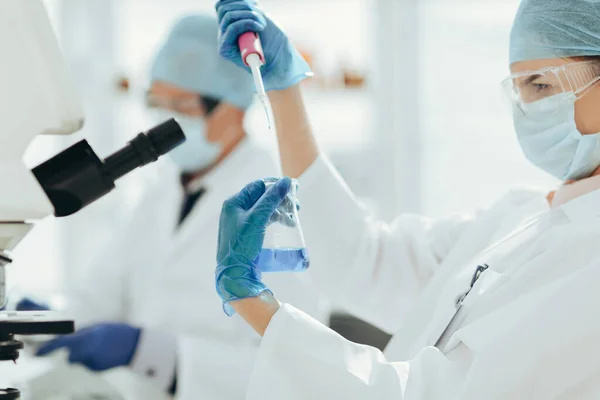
[525, 90]
[199, 105]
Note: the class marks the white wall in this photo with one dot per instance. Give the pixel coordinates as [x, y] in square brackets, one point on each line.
[470, 152]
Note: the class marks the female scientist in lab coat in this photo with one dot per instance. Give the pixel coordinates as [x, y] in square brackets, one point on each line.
[149, 300]
[502, 304]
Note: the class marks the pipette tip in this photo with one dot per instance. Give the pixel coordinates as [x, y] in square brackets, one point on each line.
[266, 106]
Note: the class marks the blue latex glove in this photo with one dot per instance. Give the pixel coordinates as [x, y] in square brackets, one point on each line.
[284, 66]
[98, 347]
[26, 304]
[244, 220]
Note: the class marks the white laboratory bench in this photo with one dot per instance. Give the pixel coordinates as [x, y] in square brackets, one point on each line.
[27, 367]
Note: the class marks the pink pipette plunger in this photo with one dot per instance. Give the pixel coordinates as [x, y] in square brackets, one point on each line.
[252, 55]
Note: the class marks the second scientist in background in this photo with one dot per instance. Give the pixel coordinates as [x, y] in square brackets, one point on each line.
[148, 301]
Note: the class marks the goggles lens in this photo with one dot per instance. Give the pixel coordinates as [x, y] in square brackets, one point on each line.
[525, 90]
[199, 105]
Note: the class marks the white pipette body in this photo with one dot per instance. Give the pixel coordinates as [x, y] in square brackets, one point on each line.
[255, 62]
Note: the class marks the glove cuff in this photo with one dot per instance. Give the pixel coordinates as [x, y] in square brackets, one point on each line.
[295, 71]
[238, 278]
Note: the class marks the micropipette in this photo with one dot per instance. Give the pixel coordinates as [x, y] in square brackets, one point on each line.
[253, 57]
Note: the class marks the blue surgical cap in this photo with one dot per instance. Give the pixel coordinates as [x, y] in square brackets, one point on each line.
[189, 59]
[555, 29]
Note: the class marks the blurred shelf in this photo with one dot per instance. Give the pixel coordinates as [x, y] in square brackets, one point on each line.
[343, 120]
[337, 91]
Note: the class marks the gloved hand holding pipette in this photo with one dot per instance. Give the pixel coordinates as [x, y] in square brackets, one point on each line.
[284, 69]
[283, 65]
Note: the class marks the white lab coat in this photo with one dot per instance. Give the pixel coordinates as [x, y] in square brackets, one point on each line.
[529, 328]
[159, 277]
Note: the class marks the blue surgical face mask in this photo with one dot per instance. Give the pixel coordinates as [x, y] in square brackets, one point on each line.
[550, 139]
[196, 153]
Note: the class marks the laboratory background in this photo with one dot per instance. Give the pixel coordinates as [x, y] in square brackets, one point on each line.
[421, 129]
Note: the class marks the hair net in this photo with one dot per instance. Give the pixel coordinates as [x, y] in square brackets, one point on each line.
[189, 58]
[555, 29]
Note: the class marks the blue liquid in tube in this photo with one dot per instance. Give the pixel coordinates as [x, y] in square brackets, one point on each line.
[278, 260]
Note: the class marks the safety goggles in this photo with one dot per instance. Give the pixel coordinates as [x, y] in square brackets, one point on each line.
[526, 90]
[199, 105]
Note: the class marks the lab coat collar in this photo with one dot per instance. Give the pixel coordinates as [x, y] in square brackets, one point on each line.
[236, 160]
[584, 207]
[242, 165]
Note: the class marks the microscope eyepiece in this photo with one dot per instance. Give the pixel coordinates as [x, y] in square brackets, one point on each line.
[77, 177]
[144, 149]
[166, 136]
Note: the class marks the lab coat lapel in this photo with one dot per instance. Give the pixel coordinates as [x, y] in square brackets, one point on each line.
[555, 322]
[160, 208]
[193, 229]
[495, 258]
[419, 328]
[531, 269]
[223, 181]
